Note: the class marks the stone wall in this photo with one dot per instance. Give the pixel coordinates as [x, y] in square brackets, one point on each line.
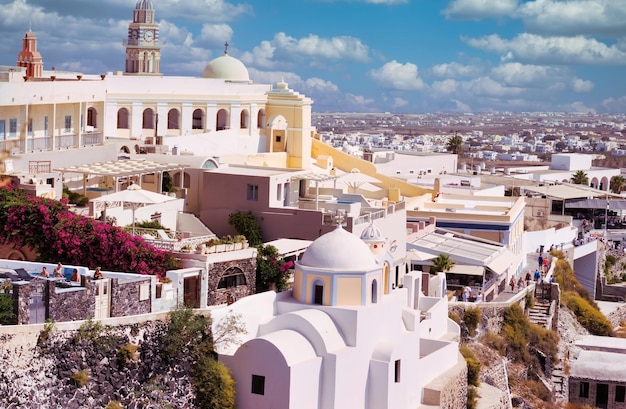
[125, 297]
[574, 393]
[217, 295]
[39, 374]
[70, 304]
[454, 394]
[21, 298]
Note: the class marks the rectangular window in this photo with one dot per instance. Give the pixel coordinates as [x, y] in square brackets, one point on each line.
[319, 295]
[278, 138]
[258, 384]
[3, 129]
[620, 393]
[584, 390]
[13, 127]
[45, 125]
[30, 126]
[279, 191]
[253, 192]
[68, 123]
[396, 376]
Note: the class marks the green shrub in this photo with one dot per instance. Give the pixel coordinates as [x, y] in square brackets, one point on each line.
[247, 225]
[473, 366]
[454, 316]
[539, 390]
[7, 313]
[589, 317]
[529, 301]
[472, 397]
[213, 384]
[44, 334]
[186, 331]
[472, 318]
[610, 260]
[127, 353]
[80, 378]
[113, 404]
[495, 342]
[90, 330]
[150, 224]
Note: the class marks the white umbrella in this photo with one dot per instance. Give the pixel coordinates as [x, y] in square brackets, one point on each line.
[135, 197]
[355, 179]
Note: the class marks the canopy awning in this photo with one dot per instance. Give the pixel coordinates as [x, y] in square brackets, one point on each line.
[467, 270]
[121, 168]
[596, 204]
[501, 262]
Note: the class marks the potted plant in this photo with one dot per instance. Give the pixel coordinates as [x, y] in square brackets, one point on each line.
[186, 248]
[211, 246]
[240, 242]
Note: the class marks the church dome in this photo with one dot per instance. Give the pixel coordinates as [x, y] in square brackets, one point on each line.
[226, 68]
[339, 250]
[143, 5]
[373, 237]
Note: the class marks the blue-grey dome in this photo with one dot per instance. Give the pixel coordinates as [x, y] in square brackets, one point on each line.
[143, 5]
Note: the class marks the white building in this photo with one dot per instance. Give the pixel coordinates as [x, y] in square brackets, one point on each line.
[344, 337]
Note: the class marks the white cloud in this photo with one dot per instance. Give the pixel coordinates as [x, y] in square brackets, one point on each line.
[455, 70]
[531, 48]
[605, 17]
[479, 9]
[334, 48]
[486, 86]
[578, 106]
[580, 85]
[214, 35]
[261, 56]
[528, 75]
[284, 51]
[615, 104]
[201, 10]
[445, 87]
[398, 76]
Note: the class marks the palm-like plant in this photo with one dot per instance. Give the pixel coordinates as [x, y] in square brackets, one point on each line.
[580, 178]
[617, 184]
[455, 144]
[442, 263]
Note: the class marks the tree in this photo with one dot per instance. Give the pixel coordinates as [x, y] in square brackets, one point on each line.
[167, 185]
[270, 273]
[442, 263]
[580, 178]
[247, 225]
[617, 184]
[455, 144]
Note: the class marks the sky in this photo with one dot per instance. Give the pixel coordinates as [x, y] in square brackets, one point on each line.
[400, 56]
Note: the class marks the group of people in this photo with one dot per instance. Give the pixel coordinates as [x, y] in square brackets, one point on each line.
[467, 295]
[58, 273]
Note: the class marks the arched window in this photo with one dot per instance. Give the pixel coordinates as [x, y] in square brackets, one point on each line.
[244, 119]
[260, 119]
[173, 119]
[92, 117]
[374, 291]
[222, 120]
[122, 118]
[232, 277]
[148, 119]
[318, 292]
[197, 119]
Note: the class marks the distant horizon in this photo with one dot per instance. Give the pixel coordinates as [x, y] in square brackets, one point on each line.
[401, 56]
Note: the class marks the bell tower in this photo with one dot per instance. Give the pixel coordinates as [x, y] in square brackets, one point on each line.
[29, 57]
[143, 49]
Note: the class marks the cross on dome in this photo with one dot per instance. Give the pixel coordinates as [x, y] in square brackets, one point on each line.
[339, 218]
[226, 48]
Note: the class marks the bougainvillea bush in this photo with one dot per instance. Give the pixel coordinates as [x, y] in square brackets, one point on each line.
[57, 234]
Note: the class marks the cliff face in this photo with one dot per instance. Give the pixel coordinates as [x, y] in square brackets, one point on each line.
[92, 368]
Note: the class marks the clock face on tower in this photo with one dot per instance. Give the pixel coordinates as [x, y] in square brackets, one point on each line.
[148, 35]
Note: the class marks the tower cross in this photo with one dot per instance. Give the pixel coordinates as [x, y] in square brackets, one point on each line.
[226, 47]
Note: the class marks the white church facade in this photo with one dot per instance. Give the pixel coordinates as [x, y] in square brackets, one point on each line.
[344, 337]
[49, 110]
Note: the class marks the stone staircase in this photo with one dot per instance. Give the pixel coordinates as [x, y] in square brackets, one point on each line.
[540, 313]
